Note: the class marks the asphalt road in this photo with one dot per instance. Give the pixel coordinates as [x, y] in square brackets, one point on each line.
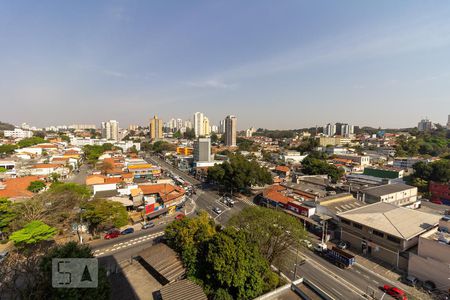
[354, 283]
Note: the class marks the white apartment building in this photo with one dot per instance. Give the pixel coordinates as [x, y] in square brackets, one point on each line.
[18, 133]
[363, 160]
[425, 125]
[110, 130]
[396, 193]
[329, 129]
[198, 124]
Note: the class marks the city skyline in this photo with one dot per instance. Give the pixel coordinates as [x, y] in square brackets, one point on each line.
[294, 65]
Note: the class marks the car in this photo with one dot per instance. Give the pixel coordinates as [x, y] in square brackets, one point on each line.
[3, 255]
[148, 225]
[343, 245]
[217, 210]
[112, 235]
[429, 286]
[395, 292]
[128, 230]
[307, 244]
[180, 217]
[411, 280]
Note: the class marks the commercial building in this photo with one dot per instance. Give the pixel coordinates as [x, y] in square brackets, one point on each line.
[440, 192]
[333, 141]
[156, 125]
[396, 193]
[230, 130]
[406, 162]
[385, 231]
[379, 172]
[202, 150]
[362, 160]
[432, 261]
[110, 130]
[185, 150]
[292, 156]
[18, 133]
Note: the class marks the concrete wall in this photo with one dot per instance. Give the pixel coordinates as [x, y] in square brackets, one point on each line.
[430, 269]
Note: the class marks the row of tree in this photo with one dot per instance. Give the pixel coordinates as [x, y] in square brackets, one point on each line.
[234, 263]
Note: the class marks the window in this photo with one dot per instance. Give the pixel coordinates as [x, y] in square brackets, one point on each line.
[345, 221]
[378, 233]
[356, 225]
[393, 239]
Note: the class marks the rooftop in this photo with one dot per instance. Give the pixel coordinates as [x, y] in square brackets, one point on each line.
[167, 192]
[17, 187]
[387, 189]
[341, 202]
[397, 221]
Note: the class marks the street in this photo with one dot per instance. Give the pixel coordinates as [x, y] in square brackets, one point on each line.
[354, 283]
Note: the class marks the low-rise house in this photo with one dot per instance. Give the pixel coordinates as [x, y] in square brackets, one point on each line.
[385, 231]
[17, 188]
[9, 167]
[292, 156]
[282, 171]
[47, 170]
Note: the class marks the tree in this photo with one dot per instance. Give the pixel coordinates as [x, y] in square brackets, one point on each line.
[177, 135]
[133, 149]
[162, 146]
[214, 137]
[246, 145]
[438, 171]
[2, 170]
[7, 214]
[273, 231]
[36, 186]
[101, 213]
[34, 232]
[7, 149]
[236, 265]
[186, 235]
[54, 177]
[189, 134]
[69, 250]
[28, 142]
[78, 191]
[314, 166]
[239, 173]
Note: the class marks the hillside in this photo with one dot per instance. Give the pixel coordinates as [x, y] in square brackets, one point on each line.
[6, 126]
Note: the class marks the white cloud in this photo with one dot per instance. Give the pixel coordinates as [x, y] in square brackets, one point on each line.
[211, 83]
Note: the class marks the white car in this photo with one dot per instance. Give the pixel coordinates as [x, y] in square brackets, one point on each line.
[217, 210]
[307, 244]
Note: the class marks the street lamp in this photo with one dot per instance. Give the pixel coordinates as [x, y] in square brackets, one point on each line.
[80, 234]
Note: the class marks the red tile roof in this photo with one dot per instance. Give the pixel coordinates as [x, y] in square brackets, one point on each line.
[17, 187]
[283, 169]
[166, 192]
[274, 193]
[44, 166]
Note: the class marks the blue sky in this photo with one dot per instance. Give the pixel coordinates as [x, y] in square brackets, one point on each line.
[274, 64]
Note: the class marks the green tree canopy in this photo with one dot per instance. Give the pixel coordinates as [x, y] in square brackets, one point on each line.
[189, 134]
[314, 166]
[2, 170]
[438, 171]
[7, 149]
[36, 186]
[101, 213]
[273, 231]
[162, 146]
[34, 232]
[246, 145]
[28, 142]
[44, 289]
[239, 173]
[7, 214]
[80, 191]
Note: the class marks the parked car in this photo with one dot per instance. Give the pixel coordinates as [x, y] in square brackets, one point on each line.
[411, 280]
[128, 230]
[429, 286]
[395, 292]
[343, 245]
[112, 235]
[148, 225]
[180, 217]
[217, 210]
[3, 255]
[307, 244]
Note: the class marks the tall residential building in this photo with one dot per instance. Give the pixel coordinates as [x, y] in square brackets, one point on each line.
[156, 126]
[230, 130]
[206, 127]
[110, 130]
[202, 150]
[188, 124]
[222, 126]
[346, 130]
[249, 132]
[172, 125]
[179, 124]
[329, 129]
[425, 125]
[214, 128]
[198, 124]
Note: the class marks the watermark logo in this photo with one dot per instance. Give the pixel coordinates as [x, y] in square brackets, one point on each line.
[74, 272]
